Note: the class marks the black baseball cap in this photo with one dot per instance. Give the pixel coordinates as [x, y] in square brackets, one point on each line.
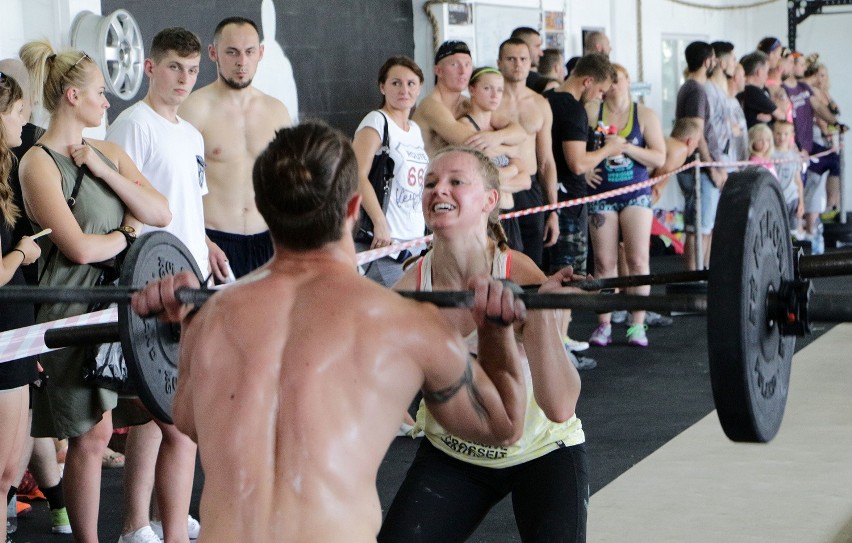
[451, 48]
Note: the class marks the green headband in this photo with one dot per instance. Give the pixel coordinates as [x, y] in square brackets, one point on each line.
[482, 71]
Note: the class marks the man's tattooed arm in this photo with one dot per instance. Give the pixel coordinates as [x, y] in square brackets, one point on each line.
[465, 381]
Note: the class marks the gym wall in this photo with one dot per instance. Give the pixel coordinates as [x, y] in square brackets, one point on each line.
[335, 47]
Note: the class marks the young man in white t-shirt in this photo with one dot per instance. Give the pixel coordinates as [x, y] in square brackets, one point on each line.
[169, 152]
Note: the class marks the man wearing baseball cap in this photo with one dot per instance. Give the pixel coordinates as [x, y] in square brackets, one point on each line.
[436, 115]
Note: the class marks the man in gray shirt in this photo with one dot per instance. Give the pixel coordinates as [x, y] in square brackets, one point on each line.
[692, 103]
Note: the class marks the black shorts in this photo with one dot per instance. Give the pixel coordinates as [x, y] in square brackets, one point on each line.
[245, 253]
[829, 163]
[512, 230]
[532, 226]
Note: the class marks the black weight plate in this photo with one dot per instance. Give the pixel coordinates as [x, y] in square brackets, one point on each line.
[150, 346]
[749, 359]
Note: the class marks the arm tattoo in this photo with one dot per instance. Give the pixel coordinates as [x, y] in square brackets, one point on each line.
[465, 381]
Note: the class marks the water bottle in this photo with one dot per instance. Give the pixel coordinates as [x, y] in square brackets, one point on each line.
[817, 241]
[12, 516]
[599, 136]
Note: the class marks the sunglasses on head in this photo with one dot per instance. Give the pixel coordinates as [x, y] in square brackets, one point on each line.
[79, 60]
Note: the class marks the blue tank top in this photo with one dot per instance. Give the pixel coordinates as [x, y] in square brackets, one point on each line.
[620, 171]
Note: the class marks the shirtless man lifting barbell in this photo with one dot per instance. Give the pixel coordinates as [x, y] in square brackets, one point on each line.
[299, 480]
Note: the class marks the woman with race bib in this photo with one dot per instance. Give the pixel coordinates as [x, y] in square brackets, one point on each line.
[395, 214]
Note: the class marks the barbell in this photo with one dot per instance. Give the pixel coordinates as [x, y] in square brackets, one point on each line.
[757, 300]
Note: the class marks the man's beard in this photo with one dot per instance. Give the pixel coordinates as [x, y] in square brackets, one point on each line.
[512, 79]
[236, 85]
[587, 96]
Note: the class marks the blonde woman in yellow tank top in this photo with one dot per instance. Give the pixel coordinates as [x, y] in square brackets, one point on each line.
[453, 483]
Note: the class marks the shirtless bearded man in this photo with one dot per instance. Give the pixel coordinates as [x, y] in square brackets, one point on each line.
[237, 122]
[302, 430]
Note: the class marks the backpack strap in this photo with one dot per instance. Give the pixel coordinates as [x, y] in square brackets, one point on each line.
[77, 181]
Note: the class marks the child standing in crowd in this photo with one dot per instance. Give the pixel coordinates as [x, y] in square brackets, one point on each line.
[760, 147]
[789, 169]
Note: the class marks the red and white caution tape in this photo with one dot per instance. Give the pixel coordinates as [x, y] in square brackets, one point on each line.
[365, 257]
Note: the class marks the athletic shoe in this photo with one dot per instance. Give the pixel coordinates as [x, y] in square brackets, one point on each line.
[23, 509]
[618, 317]
[28, 489]
[636, 335]
[830, 215]
[192, 526]
[142, 535]
[654, 320]
[602, 336]
[583, 363]
[59, 521]
[573, 345]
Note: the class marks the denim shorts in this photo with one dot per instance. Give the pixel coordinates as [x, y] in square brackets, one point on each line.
[386, 270]
[602, 206]
[815, 195]
[709, 201]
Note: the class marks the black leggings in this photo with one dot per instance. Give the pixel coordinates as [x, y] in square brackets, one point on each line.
[444, 499]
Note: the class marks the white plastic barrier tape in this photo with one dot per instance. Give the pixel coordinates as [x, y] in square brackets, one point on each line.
[29, 341]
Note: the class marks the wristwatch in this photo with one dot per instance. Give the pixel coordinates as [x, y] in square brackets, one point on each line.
[128, 232]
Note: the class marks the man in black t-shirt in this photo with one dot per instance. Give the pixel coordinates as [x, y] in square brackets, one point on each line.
[757, 104]
[590, 79]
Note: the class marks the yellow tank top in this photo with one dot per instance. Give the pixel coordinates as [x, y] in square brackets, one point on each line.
[541, 435]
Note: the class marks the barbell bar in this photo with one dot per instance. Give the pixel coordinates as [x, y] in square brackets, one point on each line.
[820, 307]
[808, 267]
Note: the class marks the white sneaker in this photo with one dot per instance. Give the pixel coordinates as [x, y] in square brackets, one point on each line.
[602, 336]
[142, 535]
[573, 345]
[192, 526]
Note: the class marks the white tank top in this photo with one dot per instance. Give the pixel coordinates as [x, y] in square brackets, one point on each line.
[541, 435]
